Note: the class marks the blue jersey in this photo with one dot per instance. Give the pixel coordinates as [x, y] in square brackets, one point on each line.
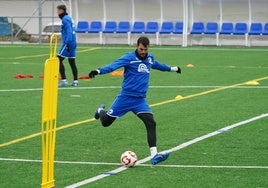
[136, 73]
[68, 48]
[68, 31]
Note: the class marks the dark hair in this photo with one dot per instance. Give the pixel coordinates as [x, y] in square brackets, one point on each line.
[62, 7]
[144, 41]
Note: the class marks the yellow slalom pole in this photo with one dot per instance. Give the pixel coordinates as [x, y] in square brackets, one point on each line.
[49, 114]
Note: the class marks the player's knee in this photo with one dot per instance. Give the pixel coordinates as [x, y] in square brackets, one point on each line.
[106, 120]
[148, 120]
[106, 123]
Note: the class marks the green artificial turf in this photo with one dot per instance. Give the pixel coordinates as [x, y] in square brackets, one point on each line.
[197, 114]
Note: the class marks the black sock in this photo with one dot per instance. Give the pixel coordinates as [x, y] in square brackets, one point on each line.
[148, 120]
[62, 68]
[73, 67]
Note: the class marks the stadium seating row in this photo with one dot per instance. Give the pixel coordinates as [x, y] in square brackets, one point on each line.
[229, 28]
[125, 27]
[169, 27]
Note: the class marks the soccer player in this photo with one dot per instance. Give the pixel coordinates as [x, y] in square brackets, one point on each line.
[137, 66]
[68, 48]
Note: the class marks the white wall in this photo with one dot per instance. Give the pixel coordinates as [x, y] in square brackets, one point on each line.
[25, 8]
[232, 10]
[140, 10]
[119, 10]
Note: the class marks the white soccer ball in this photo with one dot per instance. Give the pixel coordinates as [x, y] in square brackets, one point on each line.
[129, 159]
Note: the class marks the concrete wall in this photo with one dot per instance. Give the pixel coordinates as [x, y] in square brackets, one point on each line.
[142, 10]
[20, 9]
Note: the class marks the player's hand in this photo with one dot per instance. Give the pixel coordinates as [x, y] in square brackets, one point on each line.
[68, 48]
[93, 73]
[179, 70]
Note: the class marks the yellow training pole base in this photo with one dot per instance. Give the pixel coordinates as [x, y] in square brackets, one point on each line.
[49, 184]
[49, 113]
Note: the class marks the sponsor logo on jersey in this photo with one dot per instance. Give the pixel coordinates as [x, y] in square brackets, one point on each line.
[143, 68]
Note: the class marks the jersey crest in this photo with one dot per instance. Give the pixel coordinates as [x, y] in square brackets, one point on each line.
[143, 68]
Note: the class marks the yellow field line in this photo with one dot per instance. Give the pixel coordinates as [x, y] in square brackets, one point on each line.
[152, 105]
[75, 123]
[206, 92]
[20, 139]
[38, 134]
[30, 56]
[43, 55]
[87, 50]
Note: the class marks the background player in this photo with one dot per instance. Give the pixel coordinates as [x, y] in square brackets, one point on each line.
[137, 66]
[68, 48]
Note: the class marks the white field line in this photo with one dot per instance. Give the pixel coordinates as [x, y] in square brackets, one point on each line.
[118, 87]
[177, 148]
[207, 166]
[144, 165]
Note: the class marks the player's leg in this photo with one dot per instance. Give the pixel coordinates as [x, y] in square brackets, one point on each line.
[71, 59]
[144, 112]
[105, 119]
[150, 125]
[61, 55]
[62, 68]
[63, 81]
[74, 71]
[120, 107]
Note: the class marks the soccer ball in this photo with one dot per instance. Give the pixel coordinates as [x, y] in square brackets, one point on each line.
[129, 159]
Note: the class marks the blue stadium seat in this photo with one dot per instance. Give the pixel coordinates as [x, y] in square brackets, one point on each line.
[95, 27]
[265, 31]
[227, 29]
[123, 27]
[110, 27]
[151, 28]
[5, 29]
[255, 29]
[241, 29]
[178, 28]
[82, 27]
[166, 28]
[138, 27]
[211, 28]
[3, 20]
[198, 28]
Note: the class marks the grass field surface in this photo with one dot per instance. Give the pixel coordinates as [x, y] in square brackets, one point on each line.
[217, 92]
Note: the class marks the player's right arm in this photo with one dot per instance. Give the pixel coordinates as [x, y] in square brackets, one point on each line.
[119, 63]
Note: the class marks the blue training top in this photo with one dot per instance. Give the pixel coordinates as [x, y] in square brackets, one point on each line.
[68, 31]
[136, 73]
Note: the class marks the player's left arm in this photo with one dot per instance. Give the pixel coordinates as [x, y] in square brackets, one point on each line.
[162, 67]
